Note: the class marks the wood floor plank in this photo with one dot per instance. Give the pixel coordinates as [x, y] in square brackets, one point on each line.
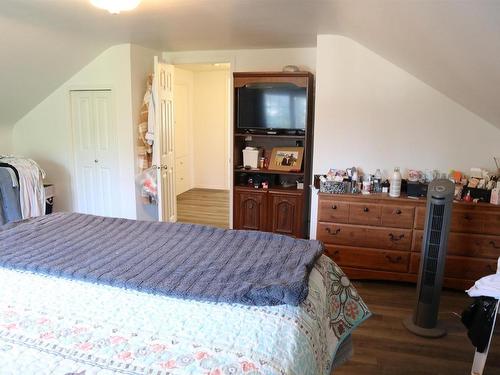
[204, 206]
[382, 346]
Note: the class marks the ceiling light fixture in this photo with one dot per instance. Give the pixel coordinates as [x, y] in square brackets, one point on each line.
[115, 6]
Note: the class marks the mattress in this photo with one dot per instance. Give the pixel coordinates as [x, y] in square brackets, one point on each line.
[51, 325]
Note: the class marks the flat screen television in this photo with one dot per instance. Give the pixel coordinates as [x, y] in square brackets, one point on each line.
[271, 107]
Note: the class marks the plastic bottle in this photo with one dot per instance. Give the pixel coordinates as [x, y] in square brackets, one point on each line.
[377, 181]
[395, 188]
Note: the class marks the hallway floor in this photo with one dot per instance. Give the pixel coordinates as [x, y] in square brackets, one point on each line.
[204, 206]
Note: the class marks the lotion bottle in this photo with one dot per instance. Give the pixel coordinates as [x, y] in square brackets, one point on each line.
[395, 188]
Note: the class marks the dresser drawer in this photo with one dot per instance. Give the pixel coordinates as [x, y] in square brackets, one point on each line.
[466, 221]
[397, 261]
[492, 223]
[397, 217]
[362, 236]
[333, 211]
[468, 245]
[367, 214]
[460, 267]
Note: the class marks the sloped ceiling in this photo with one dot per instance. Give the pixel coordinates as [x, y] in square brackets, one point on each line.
[453, 45]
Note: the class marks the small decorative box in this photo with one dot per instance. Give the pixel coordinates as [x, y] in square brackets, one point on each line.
[335, 187]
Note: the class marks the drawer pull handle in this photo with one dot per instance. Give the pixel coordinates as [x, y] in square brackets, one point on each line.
[398, 212]
[492, 243]
[394, 238]
[397, 259]
[333, 232]
[335, 253]
[366, 209]
[467, 217]
[334, 207]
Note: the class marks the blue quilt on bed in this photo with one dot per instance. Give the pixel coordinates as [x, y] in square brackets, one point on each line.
[180, 260]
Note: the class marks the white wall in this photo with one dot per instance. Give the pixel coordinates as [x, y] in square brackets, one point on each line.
[210, 129]
[372, 114]
[45, 133]
[141, 66]
[5, 139]
[249, 60]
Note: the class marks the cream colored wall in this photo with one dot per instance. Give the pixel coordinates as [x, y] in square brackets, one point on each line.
[5, 139]
[45, 133]
[372, 114]
[210, 129]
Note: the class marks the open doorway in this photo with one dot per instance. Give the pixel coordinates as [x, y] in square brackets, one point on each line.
[201, 96]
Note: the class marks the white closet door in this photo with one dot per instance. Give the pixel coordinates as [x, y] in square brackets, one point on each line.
[95, 150]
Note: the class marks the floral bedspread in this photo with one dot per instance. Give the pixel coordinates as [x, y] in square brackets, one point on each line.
[58, 326]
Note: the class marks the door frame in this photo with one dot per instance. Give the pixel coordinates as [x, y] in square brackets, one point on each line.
[221, 59]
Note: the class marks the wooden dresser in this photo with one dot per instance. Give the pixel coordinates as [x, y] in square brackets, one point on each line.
[378, 237]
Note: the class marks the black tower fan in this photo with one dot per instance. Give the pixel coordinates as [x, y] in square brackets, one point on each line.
[430, 280]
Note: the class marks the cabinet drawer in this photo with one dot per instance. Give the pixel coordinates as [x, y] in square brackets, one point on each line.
[361, 236]
[466, 221]
[398, 217]
[492, 223]
[468, 245]
[368, 214]
[460, 267]
[381, 260]
[333, 211]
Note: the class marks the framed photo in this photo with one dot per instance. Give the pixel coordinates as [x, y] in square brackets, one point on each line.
[286, 159]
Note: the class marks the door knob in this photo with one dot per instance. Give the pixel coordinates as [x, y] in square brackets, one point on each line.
[96, 161]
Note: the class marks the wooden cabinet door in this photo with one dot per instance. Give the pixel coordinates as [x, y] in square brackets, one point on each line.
[250, 210]
[285, 213]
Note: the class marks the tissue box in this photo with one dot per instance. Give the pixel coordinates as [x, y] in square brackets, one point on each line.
[495, 196]
[251, 157]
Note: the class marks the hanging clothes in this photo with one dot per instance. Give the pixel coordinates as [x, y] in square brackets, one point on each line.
[146, 178]
[10, 206]
[31, 190]
[144, 145]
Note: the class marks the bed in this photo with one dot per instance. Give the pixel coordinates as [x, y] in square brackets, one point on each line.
[54, 324]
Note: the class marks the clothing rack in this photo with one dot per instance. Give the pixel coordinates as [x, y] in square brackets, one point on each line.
[480, 358]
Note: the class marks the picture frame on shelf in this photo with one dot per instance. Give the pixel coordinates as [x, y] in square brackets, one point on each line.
[286, 159]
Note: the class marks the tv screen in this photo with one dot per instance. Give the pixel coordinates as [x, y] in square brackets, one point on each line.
[277, 106]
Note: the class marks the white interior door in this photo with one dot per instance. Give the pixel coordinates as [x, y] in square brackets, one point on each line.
[182, 138]
[165, 141]
[95, 151]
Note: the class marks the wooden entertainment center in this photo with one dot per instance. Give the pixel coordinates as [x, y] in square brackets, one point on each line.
[379, 237]
[276, 209]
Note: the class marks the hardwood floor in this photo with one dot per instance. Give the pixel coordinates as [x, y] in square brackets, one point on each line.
[204, 206]
[382, 346]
